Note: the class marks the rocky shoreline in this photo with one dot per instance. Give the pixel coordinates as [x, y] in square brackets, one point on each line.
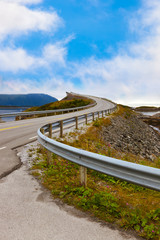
[151, 120]
[147, 109]
[131, 134]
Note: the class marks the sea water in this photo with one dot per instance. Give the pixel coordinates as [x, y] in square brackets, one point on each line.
[151, 114]
[10, 110]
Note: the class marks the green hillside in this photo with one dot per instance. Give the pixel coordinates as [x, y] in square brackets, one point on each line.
[63, 104]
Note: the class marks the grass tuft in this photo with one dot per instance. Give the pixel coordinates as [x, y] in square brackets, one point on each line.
[110, 199]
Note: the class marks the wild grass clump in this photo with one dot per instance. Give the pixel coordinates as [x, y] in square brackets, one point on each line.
[110, 199]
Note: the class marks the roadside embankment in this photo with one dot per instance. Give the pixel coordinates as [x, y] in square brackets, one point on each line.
[128, 133]
[107, 198]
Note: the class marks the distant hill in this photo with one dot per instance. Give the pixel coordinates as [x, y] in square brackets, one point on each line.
[25, 100]
[147, 109]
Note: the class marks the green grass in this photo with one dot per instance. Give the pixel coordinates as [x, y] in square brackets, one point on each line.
[110, 199]
[128, 205]
[62, 105]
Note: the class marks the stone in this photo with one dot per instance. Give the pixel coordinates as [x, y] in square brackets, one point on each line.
[132, 135]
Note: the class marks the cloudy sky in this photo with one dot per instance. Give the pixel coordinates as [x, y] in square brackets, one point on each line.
[103, 48]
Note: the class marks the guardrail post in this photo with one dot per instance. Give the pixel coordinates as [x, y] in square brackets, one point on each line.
[50, 130]
[49, 154]
[76, 118]
[42, 131]
[49, 157]
[83, 176]
[86, 119]
[93, 116]
[61, 128]
[98, 114]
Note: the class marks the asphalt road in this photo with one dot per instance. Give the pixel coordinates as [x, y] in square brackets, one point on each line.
[18, 133]
[27, 210]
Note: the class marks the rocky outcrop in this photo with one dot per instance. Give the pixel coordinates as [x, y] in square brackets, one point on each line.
[151, 120]
[132, 135]
[147, 109]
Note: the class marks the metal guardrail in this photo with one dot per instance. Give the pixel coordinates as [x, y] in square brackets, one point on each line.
[145, 176]
[45, 112]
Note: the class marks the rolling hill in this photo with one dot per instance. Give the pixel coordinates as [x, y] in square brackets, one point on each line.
[25, 100]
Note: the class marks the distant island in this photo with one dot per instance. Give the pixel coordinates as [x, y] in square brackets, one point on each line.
[147, 109]
[25, 100]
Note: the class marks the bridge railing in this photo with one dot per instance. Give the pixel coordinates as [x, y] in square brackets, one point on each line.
[145, 176]
[34, 113]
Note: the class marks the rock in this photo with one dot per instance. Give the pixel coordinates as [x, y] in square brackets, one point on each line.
[132, 135]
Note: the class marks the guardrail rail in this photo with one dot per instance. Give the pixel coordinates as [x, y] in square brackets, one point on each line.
[34, 113]
[145, 176]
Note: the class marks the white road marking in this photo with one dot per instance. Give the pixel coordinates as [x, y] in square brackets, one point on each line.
[2, 148]
[33, 137]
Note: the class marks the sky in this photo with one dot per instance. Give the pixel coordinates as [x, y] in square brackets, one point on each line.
[102, 48]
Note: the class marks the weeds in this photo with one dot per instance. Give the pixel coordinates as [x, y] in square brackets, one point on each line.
[110, 199]
[128, 205]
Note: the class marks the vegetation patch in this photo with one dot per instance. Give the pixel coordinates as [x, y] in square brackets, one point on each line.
[63, 104]
[110, 199]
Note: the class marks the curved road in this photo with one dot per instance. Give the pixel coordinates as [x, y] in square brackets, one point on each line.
[18, 133]
[27, 210]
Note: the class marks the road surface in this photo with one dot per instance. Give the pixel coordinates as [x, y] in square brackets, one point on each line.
[27, 210]
[19, 133]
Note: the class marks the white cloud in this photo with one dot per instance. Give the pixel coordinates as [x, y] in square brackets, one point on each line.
[133, 75]
[55, 87]
[15, 59]
[55, 53]
[25, 2]
[146, 20]
[16, 19]
[121, 79]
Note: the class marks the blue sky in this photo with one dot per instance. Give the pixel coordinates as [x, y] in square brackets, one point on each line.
[104, 48]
